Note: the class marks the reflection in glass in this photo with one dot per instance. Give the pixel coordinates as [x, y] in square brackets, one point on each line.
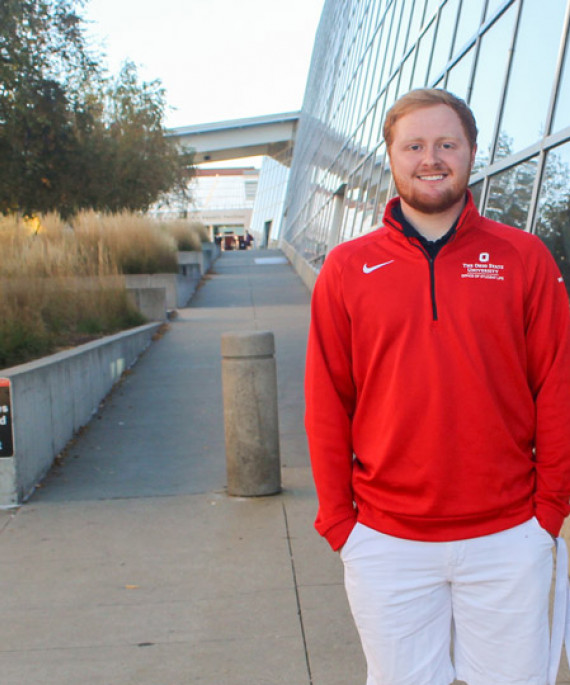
[350, 204]
[368, 128]
[469, 22]
[476, 190]
[404, 23]
[379, 57]
[405, 75]
[562, 112]
[390, 64]
[416, 23]
[422, 61]
[442, 46]
[510, 193]
[382, 55]
[369, 195]
[532, 71]
[391, 93]
[379, 118]
[489, 80]
[377, 183]
[553, 214]
[459, 75]
[385, 189]
[431, 7]
[493, 6]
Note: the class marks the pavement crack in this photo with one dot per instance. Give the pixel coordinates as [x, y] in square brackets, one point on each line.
[297, 597]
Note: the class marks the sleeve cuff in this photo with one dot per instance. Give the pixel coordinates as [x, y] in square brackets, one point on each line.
[338, 534]
[550, 520]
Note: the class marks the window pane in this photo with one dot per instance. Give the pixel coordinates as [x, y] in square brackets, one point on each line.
[422, 61]
[476, 189]
[380, 117]
[432, 5]
[492, 7]
[391, 93]
[378, 182]
[562, 112]
[350, 207]
[405, 22]
[382, 55]
[379, 40]
[458, 78]
[405, 74]
[553, 224]
[510, 193]
[489, 80]
[416, 22]
[442, 46]
[392, 40]
[532, 71]
[469, 22]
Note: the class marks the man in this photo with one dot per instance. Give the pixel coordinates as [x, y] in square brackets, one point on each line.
[438, 418]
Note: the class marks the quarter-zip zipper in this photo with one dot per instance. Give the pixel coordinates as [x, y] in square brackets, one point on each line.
[431, 263]
[431, 260]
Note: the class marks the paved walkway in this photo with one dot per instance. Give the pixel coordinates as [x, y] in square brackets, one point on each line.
[130, 565]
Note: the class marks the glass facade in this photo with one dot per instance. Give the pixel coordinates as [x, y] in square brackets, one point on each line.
[507, 58]
[227, 189]
[268, 209]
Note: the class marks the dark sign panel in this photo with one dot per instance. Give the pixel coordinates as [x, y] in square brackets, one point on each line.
[6, 439]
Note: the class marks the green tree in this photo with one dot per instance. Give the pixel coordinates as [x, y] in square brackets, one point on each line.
[510, 191]
[42, 52]
[136, 163]
[553, 220]
[70, 137]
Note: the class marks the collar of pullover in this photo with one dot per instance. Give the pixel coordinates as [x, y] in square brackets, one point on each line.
[432, 247]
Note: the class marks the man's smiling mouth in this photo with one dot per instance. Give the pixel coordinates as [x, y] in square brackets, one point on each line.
[438, 177]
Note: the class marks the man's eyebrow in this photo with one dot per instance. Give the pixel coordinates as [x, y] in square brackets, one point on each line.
[420, 138]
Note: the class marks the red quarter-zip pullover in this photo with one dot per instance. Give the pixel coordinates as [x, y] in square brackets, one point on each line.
[438, 390]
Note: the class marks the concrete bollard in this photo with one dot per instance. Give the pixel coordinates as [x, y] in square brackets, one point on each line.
[249, 383]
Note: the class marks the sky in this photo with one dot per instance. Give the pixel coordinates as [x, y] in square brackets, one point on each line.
[217, 59]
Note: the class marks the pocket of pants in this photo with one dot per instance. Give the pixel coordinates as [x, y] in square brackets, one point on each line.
[359, 534]
[541, 531]
[351, 541]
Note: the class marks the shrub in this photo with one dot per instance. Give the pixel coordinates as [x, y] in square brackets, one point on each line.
[55, 290]
[136, 244]
[188, 235]
[63, 284]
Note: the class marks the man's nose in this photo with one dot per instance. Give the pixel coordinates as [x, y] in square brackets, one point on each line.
[431, 155]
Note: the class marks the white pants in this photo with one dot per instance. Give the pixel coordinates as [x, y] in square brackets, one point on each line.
[491, 593]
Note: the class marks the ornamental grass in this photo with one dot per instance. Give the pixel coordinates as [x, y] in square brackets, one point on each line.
[62, 284]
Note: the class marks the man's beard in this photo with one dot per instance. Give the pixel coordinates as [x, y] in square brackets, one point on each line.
[432, 205]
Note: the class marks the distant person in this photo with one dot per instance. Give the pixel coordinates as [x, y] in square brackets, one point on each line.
[248, 240]
[438, 418]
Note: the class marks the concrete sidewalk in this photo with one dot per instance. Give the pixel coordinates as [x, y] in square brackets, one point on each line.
[130, 565]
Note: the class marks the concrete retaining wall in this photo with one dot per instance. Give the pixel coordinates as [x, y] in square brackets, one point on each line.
[179, 287]
[53, 397]
[151, 302]
[306, 271]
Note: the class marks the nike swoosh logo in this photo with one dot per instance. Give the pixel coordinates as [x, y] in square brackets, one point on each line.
[369, 269]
